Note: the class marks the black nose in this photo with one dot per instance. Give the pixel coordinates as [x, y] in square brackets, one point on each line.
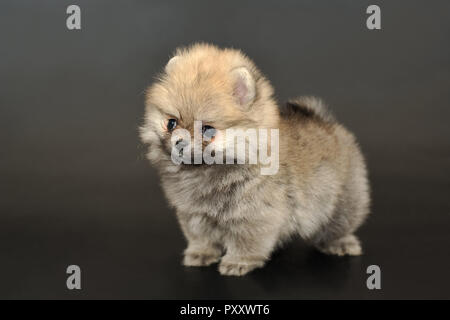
[180, 145]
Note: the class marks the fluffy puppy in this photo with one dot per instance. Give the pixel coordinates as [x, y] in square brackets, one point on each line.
[234, 214]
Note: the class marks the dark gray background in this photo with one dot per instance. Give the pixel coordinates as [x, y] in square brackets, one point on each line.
[75, 187]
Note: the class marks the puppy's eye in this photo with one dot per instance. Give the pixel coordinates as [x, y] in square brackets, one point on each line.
[171, 124]
[208, 132]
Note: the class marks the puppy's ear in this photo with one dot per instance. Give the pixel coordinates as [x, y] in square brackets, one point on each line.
[243, 86]
[171, 63]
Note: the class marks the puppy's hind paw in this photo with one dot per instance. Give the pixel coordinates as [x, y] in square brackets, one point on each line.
[197, 259]
[348, 245]
[238, 268]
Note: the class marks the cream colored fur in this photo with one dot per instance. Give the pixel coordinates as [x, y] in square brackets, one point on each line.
[232, 214]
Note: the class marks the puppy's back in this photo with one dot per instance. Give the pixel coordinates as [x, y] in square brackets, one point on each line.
[313, 137]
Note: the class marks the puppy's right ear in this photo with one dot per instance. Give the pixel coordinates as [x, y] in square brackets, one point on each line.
[244, 88]
[171, 63]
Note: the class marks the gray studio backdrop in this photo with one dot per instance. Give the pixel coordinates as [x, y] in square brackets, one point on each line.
[75, 187]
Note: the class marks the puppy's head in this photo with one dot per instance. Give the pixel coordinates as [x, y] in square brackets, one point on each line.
[202, 92]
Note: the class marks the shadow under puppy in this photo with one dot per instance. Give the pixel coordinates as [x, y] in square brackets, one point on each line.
[233, 213]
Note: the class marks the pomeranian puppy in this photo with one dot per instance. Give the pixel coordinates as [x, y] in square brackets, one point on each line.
[234, 212]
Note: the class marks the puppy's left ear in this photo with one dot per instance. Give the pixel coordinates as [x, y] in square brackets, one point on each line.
[244, 88]
[171, 63]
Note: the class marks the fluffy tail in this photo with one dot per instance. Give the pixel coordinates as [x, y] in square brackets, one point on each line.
[309, 106]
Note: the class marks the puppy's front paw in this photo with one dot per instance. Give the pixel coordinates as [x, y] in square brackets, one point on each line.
[233, 268]
[200, 259]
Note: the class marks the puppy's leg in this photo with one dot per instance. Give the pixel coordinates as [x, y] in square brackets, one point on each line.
[336, 237]
[352, 208]
[247, 250]
[203, 248]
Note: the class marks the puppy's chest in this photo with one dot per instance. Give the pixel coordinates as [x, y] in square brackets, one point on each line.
[205, 193]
